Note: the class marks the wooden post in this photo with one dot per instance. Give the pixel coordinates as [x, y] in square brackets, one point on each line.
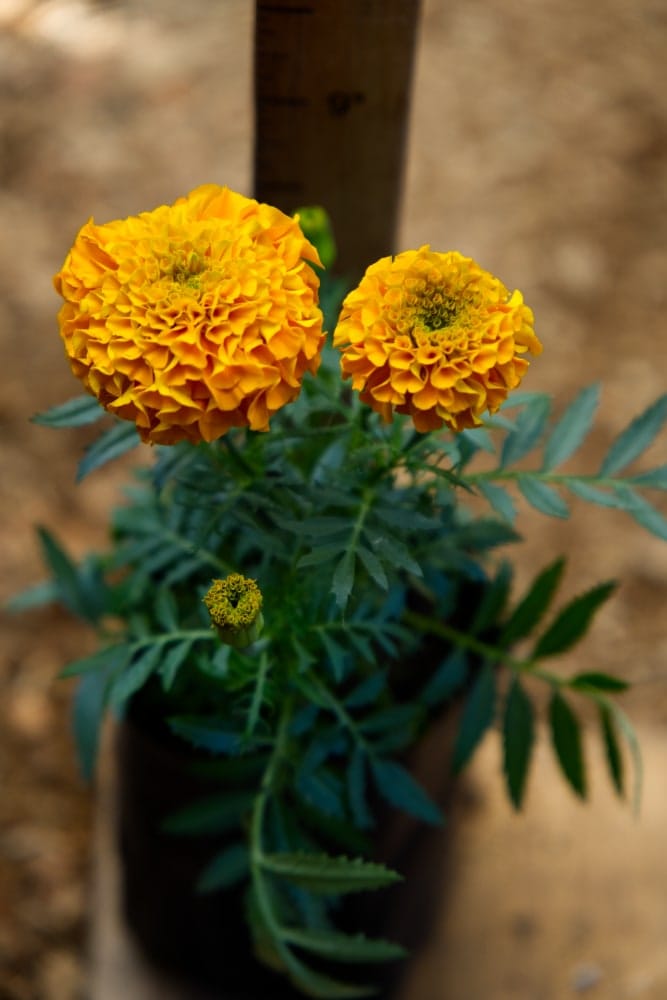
[332, 85]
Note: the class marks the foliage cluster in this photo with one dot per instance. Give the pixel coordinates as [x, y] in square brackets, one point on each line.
[386, 600]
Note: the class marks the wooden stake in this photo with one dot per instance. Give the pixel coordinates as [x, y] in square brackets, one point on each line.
[332, 84]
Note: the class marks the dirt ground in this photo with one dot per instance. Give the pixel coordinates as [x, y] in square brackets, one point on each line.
[538, 145]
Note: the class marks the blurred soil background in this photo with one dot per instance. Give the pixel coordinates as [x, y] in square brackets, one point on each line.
[538, 145]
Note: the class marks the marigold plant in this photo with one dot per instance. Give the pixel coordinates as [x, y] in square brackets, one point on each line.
[355, 593]
[434, 336]
[193, 318]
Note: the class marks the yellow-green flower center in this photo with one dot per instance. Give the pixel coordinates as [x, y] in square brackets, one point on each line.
[234, 603]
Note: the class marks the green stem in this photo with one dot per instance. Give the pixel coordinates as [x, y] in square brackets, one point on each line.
[483, 649]
[258, 879]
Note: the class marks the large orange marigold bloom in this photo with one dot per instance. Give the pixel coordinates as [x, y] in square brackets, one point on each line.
[193, 318]
[434, 336]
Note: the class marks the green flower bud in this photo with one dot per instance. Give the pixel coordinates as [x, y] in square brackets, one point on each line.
[235, 607]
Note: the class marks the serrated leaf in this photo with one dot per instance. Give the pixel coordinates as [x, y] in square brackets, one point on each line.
[35, 596]
[643, 512]
[598, 682]
[653, 479]
[166, 609]
[476, 717]
[613, 754]
[401, 790]
[493, 600]
[500, 500]
[328, 874]
[449, 678]
[226, 869]
[343, 579]
[120, 438]
[356, 790]
[70, 587]
[133, 676]
[213, 814]
[316, 984]
[543, 497]
[173, 658]
[87, 714]
[628, 732]
[518, 740]
[210, 734]
[368, 691]
[572, 621]
[111, 657]
[343, 947]
[529, 428]
[74, 413]
[592, 494]
[394, 551]
[636, 438]
[566, 738]
[373, 566]
[572, 428]
[530, 610]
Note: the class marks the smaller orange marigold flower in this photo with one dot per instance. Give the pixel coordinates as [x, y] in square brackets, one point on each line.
[434, 336]
[193, 318]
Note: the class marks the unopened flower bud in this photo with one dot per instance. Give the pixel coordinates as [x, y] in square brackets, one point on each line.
[235, 607]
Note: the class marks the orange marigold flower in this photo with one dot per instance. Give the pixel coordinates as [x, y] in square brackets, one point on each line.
[434, 336]
[193, 318]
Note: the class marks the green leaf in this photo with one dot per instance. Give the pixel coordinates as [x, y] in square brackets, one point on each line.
[543, 497]
[493, 600]
[643, 512]
[213, 814]
[87, 714]
[132, 677]
[343, 947]
[572, 621]
[207, 734]
[612, 749]
[356, 790]
[628, 732]
[566, 737]
[70, 586]
[324, 873]
[36, 596]
[393, 551]
[174, 657]
[572, 428]
[477, 716]
[166, 609]
[597, 681]
[112, 444]
[653, 479]
[636, 438]
[529, 428]
[591, 494]
[518, 740]
[343, 579]
[448, 678]
[111, 657]
[528, 613]
[226, 869]
[401, 790]
[373, 566]
[316, 227]
[500, 500]
[315, 984]
[74, 413]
